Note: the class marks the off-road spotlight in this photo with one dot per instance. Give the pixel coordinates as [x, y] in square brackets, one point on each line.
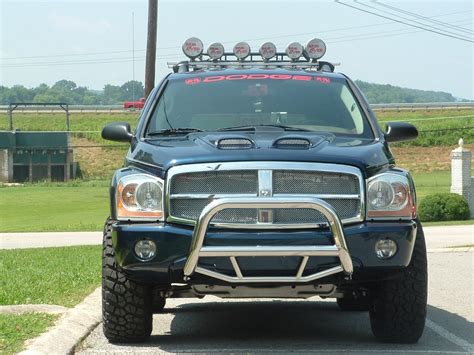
[242, 50]
[192, 47]
[215, 51]
[316, 48]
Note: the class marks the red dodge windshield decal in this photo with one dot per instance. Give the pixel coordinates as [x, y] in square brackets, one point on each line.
[213, 79]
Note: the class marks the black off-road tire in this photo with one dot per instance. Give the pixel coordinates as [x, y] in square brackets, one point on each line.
[126, 305]
[398, 307]
[357, 303]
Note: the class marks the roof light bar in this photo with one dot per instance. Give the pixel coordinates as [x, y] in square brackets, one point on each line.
[267, 50]
[215, 51]
[295, 56]
[316, 48]
[242, 50]
[294, 50]
[192, 47]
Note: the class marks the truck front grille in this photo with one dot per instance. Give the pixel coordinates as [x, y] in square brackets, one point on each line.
[191, 187]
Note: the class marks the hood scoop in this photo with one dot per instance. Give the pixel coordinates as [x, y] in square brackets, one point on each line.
[234, 143]
[292, 143]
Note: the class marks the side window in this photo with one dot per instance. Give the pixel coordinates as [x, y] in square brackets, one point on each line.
[352, 108]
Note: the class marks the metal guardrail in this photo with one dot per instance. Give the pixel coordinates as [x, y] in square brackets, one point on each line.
[423, 106]
[376, 107]
[73, 109]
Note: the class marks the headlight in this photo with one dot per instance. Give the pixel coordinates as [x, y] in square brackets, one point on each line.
[390, 196]
[140, 197]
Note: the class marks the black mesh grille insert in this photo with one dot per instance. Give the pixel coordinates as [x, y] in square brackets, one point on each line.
[234, 143]
[314, 182]
[216, 182]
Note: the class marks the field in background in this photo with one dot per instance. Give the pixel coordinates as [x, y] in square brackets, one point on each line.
[83, 204]
[98, 158]
[437, 127]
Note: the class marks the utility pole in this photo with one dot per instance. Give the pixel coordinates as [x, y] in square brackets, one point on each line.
[133, 56]
[151, 47]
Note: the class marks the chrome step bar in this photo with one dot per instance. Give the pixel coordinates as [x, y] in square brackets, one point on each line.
[232, 252]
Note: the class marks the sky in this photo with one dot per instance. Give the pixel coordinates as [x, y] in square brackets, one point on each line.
[91, 42]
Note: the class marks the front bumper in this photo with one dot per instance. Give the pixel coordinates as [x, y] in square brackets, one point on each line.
[178, 252]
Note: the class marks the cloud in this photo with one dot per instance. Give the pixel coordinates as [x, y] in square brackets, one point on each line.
[69, 23]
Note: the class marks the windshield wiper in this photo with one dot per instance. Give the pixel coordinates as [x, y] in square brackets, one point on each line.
[172, 131]
[253, 128]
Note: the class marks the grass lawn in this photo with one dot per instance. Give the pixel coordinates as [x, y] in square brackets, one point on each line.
[16, 329]
[78, 206]
[429, 183]
[449, 223]
[85, 127]
[60, 276]
[57, 121]
[83, 206]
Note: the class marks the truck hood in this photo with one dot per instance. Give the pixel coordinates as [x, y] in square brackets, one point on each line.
[158, 154]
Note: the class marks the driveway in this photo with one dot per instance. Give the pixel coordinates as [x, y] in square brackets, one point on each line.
[48, 239]
[212, 325]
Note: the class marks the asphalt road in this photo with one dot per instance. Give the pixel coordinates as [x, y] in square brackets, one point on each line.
[212, 325]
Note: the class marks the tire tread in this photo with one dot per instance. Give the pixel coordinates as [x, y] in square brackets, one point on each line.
[126, 305]
[398, 307]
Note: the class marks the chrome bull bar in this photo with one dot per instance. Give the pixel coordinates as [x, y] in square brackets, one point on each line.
[339, 248]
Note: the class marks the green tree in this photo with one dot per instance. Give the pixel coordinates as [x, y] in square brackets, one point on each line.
[112, 94]
[132, 90]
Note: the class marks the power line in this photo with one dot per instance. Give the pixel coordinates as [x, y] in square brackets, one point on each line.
[248, 39]
[405, 23]
[401, 31]
[365, 36]
[86, 61]
[71, 55]
[408, 19]
[425, 18]
[372, 35]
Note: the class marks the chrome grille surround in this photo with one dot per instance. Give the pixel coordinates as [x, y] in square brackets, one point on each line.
[340, 185]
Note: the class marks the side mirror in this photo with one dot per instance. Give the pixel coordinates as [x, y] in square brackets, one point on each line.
[118, 132]
[400, 131]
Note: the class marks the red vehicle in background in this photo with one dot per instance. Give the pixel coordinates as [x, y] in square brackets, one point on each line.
[127, 105]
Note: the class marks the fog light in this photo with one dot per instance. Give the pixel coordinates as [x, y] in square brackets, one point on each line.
[145, 249]
[385, 248]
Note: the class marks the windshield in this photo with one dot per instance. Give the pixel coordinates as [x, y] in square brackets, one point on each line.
[306, 102]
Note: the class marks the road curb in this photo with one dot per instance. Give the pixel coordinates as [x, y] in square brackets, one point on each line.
[33, 308]
[70, 329]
